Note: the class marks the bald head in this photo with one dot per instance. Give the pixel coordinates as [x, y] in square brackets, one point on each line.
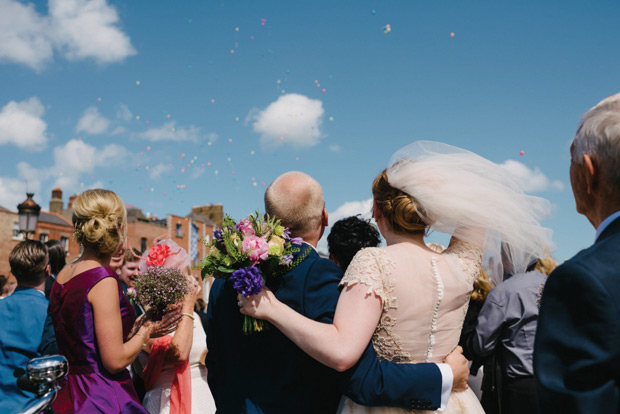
[296, 199]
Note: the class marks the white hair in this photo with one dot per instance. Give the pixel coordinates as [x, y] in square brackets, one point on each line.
[599, 136]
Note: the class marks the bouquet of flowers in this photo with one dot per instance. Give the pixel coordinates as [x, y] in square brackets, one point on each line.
[251, 253]
[160, 287]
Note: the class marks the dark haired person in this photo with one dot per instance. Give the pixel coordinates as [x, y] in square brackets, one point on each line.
[23, 318]
[348, 236]
[58, 259]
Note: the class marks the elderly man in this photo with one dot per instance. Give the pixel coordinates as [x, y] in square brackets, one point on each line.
[267, 373]
[577, 352]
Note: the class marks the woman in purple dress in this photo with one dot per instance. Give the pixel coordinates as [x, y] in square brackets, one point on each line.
[93, 320]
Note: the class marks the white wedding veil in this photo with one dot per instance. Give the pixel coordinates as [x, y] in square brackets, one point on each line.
[462, 194]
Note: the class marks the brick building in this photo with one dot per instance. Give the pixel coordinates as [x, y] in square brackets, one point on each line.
[188, 231]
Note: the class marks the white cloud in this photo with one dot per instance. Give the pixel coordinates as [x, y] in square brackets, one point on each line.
[24, 35]
[124, 113]
[118, 130]
[13, 191]
[158, 170]
[79, 29]
[293, 119]
[169, 132]
[352, 208]
[92, 122]
[76, 158]
[21, 124]
[533, 181]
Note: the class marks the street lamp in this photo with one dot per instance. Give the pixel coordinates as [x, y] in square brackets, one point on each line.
[28, 213]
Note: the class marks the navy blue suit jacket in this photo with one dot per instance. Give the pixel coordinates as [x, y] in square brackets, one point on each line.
[267, 373]
[577, 348]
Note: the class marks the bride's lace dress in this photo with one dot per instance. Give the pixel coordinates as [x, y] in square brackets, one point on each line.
[425, 297]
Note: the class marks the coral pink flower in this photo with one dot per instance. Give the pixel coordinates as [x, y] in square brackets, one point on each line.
[257, 247]
[157, 255]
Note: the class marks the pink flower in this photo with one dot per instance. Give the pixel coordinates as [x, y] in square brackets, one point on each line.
[245, 227]
[257, 247]
[157, 255]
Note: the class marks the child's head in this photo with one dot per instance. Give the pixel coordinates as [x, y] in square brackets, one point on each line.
[29, 262]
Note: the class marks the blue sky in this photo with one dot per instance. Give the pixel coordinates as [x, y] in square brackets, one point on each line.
[179, 104]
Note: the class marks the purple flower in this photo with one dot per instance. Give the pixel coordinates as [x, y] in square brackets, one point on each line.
[247, 281]
[218, 235]
[286, 260]
[286, 234]
[297, 241]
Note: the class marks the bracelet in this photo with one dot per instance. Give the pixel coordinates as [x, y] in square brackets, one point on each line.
[143, 339]
[188, 314]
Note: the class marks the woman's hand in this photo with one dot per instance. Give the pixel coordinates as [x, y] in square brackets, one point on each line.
[190, 299]
[168, 322]
[261, 306]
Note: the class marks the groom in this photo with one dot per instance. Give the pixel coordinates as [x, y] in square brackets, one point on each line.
[267, 373]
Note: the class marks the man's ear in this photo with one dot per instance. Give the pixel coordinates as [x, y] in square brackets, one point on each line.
[324, 218]
[48, 270]
[592, 173]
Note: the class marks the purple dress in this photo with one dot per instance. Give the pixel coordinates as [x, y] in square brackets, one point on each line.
[89, 387]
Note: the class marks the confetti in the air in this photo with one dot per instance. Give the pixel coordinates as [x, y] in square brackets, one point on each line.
[452, 34]
[263, 21]
[387, 29]
[521, 153]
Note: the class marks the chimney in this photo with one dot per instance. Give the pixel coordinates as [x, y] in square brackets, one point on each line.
[56, 203]
[71, 200]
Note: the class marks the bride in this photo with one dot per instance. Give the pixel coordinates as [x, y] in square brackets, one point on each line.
[410, 300]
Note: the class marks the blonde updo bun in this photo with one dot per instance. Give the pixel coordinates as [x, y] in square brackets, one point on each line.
[397, 207]
[100, 221]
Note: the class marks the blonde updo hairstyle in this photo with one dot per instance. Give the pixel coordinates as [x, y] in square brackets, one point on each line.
[398, 207]
[100, 221]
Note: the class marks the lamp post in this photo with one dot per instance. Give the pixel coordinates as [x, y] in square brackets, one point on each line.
[28, 213]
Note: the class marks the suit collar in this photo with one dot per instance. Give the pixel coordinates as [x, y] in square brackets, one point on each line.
[612, 228]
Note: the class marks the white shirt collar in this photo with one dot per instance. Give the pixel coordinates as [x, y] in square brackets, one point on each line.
[313, 248]
[601, 227]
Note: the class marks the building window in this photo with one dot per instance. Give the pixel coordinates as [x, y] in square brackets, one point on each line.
[143, 244]
[43, 237]
[17, 235]
[65, 243]
[179, 232]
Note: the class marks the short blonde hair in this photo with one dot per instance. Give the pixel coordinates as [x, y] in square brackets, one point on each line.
[296, 199]
[100, 221]
[482, 287]
[546, 265]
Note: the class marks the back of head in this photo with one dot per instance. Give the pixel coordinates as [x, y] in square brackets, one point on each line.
[348, 236]
[28, 260]
[100, 221]
[599, 136]
[296, 199]
[546, 265]
[4, 281]
[398, 207]
[57, 254]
